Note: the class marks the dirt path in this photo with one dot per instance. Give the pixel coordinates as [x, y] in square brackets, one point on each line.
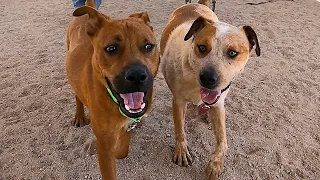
[273, 109]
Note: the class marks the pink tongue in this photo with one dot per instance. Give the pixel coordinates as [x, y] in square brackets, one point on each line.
[209, 96]
[133, 100]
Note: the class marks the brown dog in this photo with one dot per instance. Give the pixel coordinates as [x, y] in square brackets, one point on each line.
[200, 58]
[111, 65]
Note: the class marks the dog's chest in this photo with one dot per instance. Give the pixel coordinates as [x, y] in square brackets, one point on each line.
[191, 95]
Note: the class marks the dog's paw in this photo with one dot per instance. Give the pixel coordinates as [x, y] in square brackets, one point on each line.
[181, 155]
[80, 121]
[214, 168]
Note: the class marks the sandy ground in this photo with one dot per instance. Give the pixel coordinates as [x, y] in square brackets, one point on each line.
[273, 111]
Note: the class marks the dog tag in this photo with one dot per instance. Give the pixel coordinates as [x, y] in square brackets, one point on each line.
[131, 127]
[203, 109]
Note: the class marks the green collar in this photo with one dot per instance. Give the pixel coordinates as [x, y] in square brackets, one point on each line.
[136, 120]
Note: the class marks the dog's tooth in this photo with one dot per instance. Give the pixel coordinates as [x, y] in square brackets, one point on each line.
[136, 111]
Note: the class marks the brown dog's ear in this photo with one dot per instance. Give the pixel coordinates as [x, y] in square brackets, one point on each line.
[142, 16]
[95, 19]
[197, 25]
[253, 39]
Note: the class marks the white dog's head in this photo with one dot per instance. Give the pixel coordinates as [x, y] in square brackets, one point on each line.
[220, 52]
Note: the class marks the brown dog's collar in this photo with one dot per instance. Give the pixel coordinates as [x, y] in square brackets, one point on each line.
[138, 119]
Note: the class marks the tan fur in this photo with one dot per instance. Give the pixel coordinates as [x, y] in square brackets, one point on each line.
[186, 13]
[182, 63]
[87, 65]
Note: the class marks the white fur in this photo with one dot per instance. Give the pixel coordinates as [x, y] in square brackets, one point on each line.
[223, 29]
[222, 98]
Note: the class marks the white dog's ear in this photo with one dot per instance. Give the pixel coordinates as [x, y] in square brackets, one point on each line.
[252, 38]
[197, 25]
[95, 21]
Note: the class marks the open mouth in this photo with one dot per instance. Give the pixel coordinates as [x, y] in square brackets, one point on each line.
[132, 105]
[209, 97]
[133, 102]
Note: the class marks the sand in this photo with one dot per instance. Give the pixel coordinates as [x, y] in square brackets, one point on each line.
[273, 108]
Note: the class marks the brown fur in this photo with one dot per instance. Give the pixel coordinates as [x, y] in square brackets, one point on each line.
[87, 65]
[91, 3]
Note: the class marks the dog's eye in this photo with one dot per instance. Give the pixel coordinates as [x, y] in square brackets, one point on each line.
[148, 47]
[111, 48]
[232, 53]
[202, 48]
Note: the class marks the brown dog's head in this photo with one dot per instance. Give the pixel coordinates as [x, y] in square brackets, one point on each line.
[125, 57]
[220, 52]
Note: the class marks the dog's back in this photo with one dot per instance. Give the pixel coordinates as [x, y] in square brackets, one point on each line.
[77, 28]
[79, 53]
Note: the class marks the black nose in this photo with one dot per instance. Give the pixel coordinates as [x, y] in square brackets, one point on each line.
[136, 74]
[208, 77]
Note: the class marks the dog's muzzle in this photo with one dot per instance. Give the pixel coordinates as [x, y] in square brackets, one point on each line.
[130, 91]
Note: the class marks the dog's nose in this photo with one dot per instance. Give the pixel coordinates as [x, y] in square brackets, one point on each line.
[208, 77]
[136, 74]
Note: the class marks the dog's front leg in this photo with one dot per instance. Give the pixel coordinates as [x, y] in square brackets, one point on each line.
[106, 148]
[181, 154]
[218, 120]
[123, 145]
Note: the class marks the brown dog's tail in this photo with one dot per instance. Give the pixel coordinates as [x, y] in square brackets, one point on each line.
[204, 2]
[91, 3]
